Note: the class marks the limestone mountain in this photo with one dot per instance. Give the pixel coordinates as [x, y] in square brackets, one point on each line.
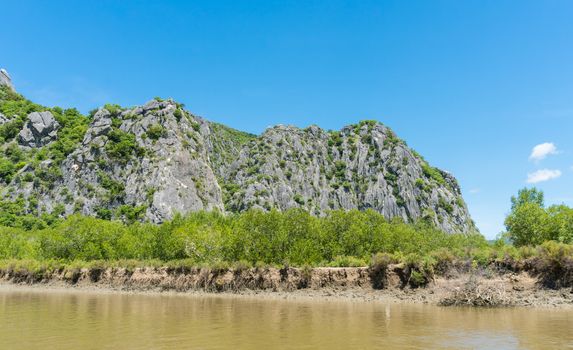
[153, 161]
[5, 79]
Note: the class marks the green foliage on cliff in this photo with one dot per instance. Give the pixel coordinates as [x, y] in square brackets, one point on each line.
[226, 144]
[156, 131]
[72, 128]
[122, 146]
[14, 107]
[13, 104]
[433, 173]
[232, 135]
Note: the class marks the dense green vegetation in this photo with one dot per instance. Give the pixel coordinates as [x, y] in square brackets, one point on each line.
[293, 237]
[531, 223]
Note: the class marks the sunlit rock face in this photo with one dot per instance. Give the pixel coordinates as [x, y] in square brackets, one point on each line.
[40, 130]
[363, 166]
[153, 161]
[5, 79]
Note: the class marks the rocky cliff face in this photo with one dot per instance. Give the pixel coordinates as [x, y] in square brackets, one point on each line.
[363, 166]
[152, 161]
[5, 79]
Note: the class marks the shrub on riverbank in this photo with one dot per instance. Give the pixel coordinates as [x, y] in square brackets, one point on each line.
[292, 237]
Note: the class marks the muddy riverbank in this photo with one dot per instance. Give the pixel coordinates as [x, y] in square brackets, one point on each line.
[464, 288]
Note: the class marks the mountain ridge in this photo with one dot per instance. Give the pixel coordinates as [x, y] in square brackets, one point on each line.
[152, 161]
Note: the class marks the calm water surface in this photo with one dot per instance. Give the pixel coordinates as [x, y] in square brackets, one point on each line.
[34, 319]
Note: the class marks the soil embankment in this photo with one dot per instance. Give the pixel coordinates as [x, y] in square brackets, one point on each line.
[469, 288]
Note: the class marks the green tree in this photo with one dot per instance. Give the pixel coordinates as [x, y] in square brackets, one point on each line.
[527, 223]
[528, 195]
[560, 223]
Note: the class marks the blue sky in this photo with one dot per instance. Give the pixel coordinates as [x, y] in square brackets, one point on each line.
[472, 85]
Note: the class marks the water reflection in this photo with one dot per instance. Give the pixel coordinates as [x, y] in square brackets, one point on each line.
[62, 320]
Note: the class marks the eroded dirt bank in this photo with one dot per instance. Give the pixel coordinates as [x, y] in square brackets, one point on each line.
[467, 288]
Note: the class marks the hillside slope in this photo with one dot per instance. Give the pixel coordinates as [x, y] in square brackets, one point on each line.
[152, 161]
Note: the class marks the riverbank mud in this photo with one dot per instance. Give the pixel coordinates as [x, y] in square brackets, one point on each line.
[481, 288]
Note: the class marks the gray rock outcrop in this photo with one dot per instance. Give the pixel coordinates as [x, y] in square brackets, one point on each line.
[40, 130]
[166, 171]
[5, 79]
[154, 161]
[363, 166]
[3, 119]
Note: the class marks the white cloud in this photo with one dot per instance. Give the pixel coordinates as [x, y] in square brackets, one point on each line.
[542, 175]
[475, 190]
[542, 150]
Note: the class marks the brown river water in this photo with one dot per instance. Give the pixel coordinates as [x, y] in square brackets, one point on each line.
[44, 319]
